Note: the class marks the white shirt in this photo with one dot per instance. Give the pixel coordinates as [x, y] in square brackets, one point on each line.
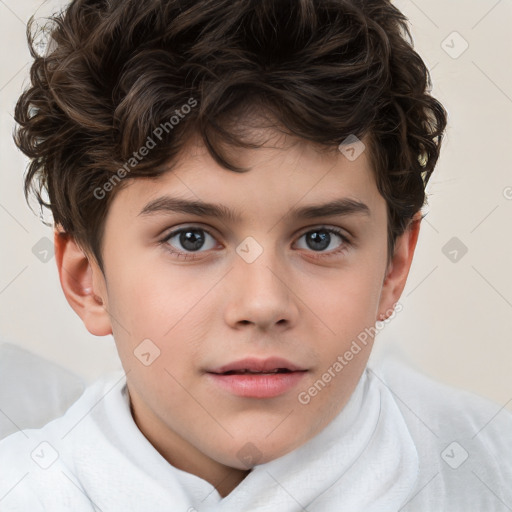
[403, 442]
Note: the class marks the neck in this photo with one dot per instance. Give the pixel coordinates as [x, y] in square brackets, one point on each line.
[181, 454]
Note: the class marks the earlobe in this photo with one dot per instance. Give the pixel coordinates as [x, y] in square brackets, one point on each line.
[398, 269]
[76, 274]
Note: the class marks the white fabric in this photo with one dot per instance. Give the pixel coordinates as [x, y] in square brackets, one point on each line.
[383, 452]
[33, 391]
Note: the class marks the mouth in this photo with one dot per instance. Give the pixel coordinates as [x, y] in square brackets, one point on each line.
[256, 378]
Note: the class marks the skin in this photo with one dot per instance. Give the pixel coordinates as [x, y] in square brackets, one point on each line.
[218, 308]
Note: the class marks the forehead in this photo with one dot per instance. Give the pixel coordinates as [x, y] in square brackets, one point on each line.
[290, 176]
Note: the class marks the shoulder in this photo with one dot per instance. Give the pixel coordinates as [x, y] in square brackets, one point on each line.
[41, 461]
[464, 441]
[441, 408]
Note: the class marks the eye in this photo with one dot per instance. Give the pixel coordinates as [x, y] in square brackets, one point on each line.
[320, 239]
[185, 241]
[188, 241]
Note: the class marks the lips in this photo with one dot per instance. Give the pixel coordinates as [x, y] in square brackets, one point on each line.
[253, 378]
[257, 378]
[258, 366]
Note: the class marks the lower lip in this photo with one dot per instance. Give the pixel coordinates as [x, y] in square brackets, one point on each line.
[266, 385]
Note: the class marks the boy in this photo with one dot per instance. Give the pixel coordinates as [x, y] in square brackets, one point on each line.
[237, 189]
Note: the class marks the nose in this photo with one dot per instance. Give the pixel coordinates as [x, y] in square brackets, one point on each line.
[261, 294]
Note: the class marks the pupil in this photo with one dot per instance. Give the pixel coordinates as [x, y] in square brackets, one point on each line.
[191, 239]
[318, 237]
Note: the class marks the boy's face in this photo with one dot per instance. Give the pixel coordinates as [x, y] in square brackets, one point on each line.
[269, 284]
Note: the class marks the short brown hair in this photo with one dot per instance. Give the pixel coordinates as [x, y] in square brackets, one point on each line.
[117, 69]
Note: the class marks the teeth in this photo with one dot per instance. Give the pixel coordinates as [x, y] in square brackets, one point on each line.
[269, 371]
[276, 370]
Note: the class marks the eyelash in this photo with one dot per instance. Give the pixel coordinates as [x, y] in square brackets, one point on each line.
[315, 255]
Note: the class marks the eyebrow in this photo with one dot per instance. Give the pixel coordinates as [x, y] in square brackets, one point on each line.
[167, 204]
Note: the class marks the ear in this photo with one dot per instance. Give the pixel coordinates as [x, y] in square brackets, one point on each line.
[398, 268]
[83, 284]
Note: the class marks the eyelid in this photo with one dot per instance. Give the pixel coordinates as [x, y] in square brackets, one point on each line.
[328, 227]
[167, 233]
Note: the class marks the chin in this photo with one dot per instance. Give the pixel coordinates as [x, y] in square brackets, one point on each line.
[254, 450]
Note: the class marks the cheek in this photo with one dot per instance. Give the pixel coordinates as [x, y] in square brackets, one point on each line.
[147, 305]
[149, 298]
[345, 301]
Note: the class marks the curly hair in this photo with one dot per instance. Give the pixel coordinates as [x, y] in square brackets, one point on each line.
[116, 69]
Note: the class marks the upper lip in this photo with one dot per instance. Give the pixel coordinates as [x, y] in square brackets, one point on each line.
[258, 365]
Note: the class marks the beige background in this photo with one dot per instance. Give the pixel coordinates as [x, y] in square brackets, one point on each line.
[456, 321]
